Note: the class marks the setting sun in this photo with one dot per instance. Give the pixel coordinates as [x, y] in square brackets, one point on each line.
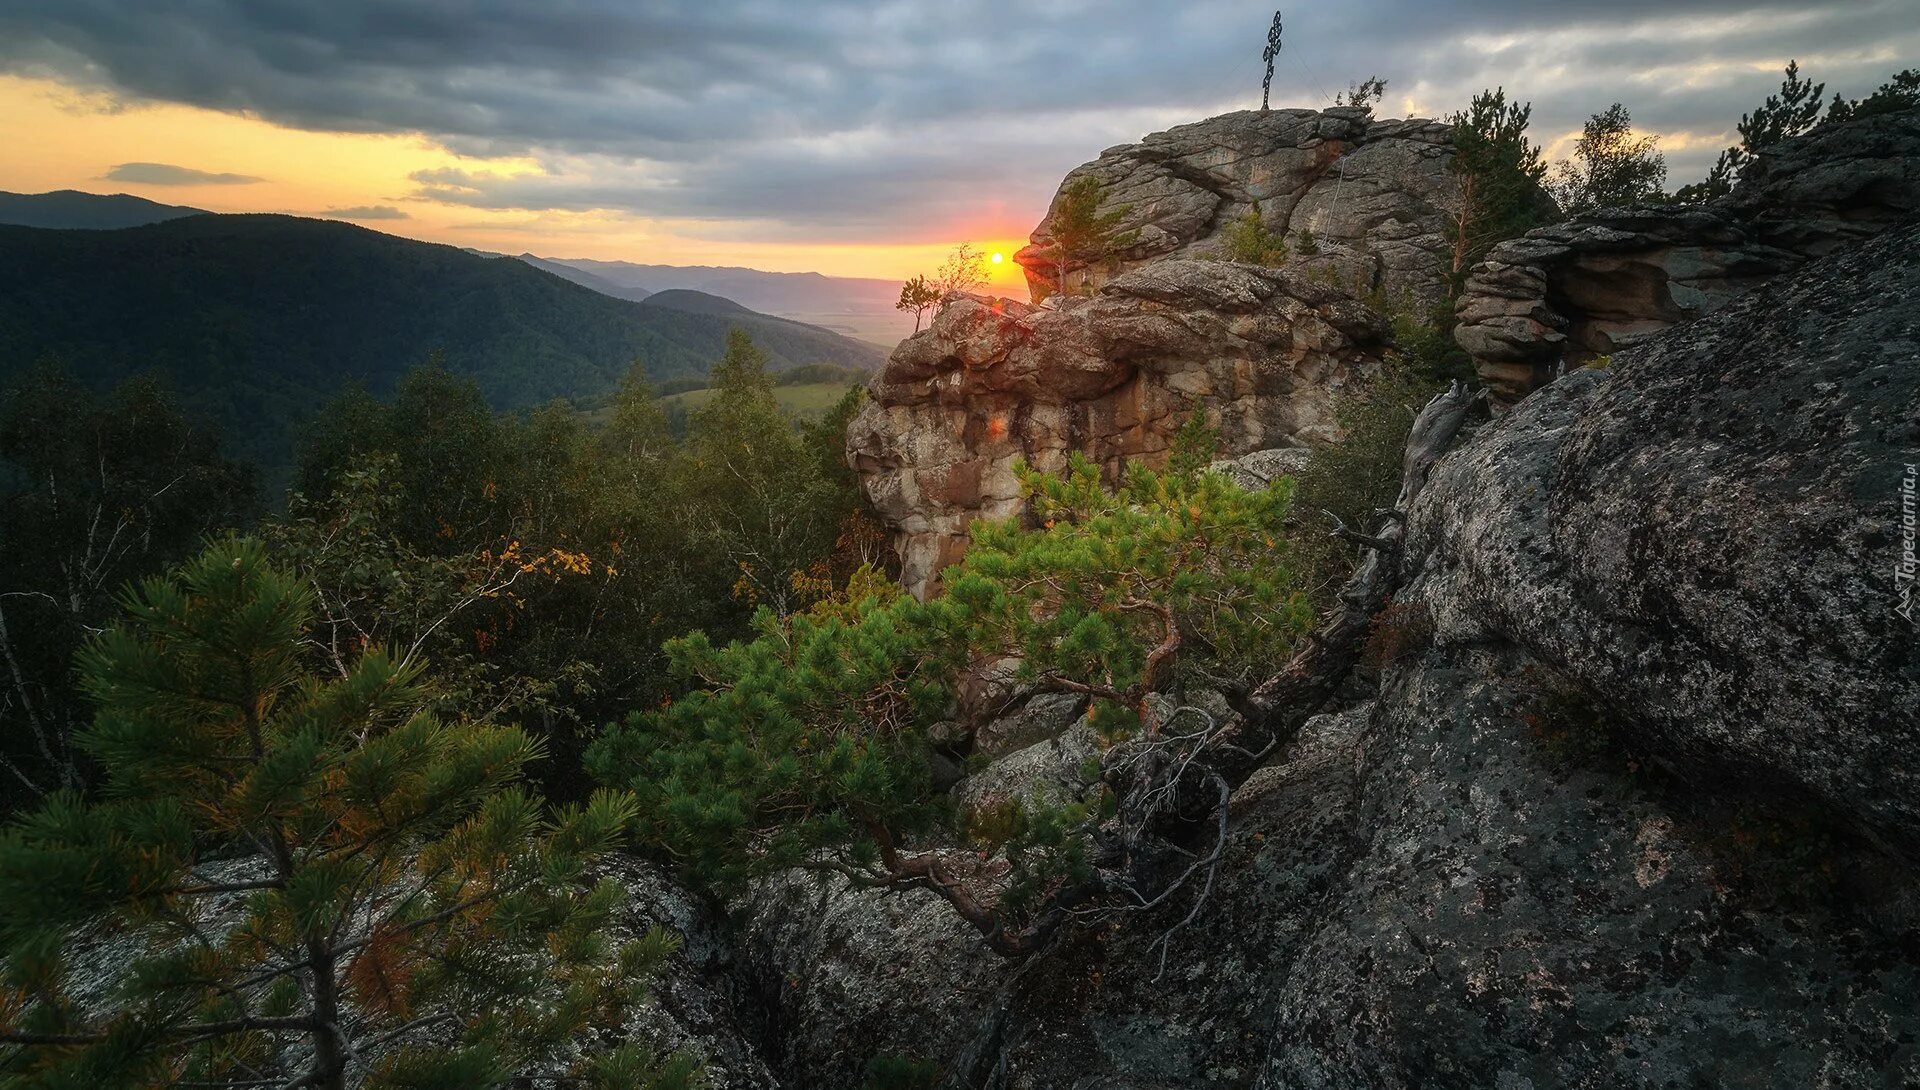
[997, 258]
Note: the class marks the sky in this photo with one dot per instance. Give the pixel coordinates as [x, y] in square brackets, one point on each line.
[854, 139]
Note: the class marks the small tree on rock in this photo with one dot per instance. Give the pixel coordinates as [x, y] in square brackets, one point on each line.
[1787, 113]
[1902, 92]
[918, 296]
[1611, 166]
[1498, 172]
[808, 747]
[1248, 239]
[1365, 94]
[964, 270]
[1268, 54]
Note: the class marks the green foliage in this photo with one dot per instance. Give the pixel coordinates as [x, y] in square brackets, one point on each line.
[759, 496]
[93, 492]
[1115, 576]
[806, 745]
[964, 270]
[1902, 92]
[402, 880]
[1498, 172]
[918, 296]
[1610, 167]
[1365, 94]
[1788, 113]
[821, 374]
[1080, 233]
[901, 1073]
[1249, 240]
[1305, 244]
[1358, 475]
[1194, 445]
[541, 564]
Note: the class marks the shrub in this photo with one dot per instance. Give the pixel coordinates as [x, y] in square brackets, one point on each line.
[1249, 240]
[1357, 475]
[806, 746]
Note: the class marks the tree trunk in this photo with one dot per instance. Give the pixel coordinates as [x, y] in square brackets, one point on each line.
[329, 1058]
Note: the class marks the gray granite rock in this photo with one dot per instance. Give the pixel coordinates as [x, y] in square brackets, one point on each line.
[1562, 295]
[1374, 195]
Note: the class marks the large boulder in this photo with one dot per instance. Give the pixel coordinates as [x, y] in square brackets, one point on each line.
[1372, 195]
[1261, 351]
[1642, 811]
[1565, 294]
[1709, 533]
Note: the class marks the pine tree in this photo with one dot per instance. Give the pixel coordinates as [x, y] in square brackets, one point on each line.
[1611, 167]
[1788, 113]
[1902, 92]
[807, 746]
[1498, 172]
[317, 884]
[1248, 239]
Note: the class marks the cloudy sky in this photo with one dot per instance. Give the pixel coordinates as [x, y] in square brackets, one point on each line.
[852, 138]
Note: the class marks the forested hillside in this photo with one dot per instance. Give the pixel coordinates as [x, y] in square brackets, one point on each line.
[72, 209]
[258, 320]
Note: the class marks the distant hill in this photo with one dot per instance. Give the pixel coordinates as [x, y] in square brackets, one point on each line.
[586, 279]
[258, 320]
[70, 209]
[696, 302]
[858, 306]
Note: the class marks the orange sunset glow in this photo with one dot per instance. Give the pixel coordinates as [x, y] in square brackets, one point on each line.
[79, 136]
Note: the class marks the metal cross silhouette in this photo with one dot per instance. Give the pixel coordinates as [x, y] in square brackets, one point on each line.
[1272, 51]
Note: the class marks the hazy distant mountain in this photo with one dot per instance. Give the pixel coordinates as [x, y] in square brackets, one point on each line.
[700, 302]
[860, 306]
[585, 279]
[71, 209]
[258, 320]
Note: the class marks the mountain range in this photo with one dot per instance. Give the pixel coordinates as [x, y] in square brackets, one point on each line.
[72, 209]
[258, 320]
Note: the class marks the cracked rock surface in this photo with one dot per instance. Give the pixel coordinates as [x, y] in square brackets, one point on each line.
[1373, 195]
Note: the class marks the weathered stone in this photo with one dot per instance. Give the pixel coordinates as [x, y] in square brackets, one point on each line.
[1047, 773]
[1707, 532]
[1643, 814]
[1260, 468]
[1261, 351]
[1043, 716]
[1561, 295]
[1372, 194]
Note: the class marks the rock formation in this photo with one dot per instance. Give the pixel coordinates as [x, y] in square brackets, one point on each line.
[1373, 196]
[1262, 351]
[1565, 294]
[1641, 807]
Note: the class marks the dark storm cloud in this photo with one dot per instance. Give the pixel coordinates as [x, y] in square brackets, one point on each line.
[168, 174]
[881, 119]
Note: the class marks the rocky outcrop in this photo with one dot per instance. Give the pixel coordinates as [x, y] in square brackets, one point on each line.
[1261, 351]
[1562, 295]
[1643, 810]
[1371, 195]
